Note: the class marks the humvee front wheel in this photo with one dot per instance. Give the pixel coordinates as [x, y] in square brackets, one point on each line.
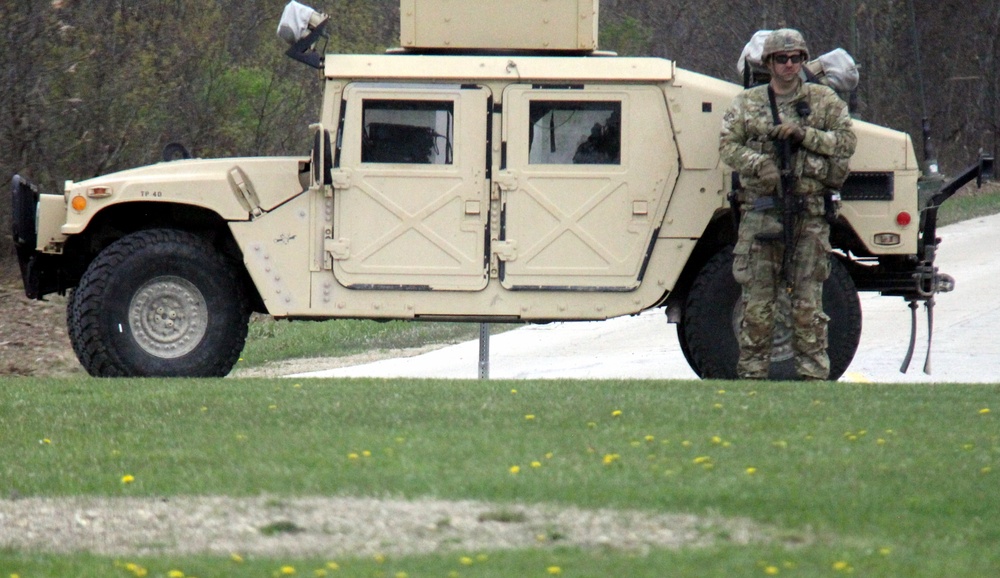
[714, 307]
[158, 303]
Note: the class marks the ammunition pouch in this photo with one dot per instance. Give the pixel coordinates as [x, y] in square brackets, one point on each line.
[831, 205]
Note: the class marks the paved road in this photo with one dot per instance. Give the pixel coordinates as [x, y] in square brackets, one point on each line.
[965, 348]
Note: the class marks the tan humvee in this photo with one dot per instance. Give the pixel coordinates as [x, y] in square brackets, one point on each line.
[469, 177]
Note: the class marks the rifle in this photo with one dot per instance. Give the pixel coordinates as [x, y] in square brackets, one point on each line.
[790, 204]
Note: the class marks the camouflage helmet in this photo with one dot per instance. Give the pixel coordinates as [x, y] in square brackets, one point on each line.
[784, 40]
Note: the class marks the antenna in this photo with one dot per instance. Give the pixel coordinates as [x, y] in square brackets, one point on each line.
[930, 156]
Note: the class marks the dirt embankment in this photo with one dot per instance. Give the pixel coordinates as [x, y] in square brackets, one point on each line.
[33, 339]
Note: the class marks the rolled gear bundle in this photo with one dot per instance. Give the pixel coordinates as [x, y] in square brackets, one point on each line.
[753, 51]
[835, 69]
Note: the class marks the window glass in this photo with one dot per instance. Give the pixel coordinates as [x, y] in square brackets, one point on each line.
[407, 131]
[575, 132]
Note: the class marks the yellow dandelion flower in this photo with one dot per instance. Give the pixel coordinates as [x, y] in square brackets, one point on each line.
[515, 469]
[751, 471]
[236, 558]
[840, 566]
[175, 574]
[536, 464]
[716, 440]
[554, 570]
[402, 575]
[529, 417]
[771, 570]
[352, 456]
[702, 460]
[717, 406]
[379, 558]
[272, 407]
[465, 561]
[333, 566]
[287, 570]
[984, 411]
[366, 453]
[885, 551]
[686, 443]
[592, 424]
[611, 458]
[548, 455]
[128, 479]
[45, 441]
[513, 392]
[616, 413]
[650, 439]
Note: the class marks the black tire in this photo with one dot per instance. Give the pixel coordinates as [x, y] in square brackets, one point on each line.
[158, 303]
[685, 348]
[711, 333]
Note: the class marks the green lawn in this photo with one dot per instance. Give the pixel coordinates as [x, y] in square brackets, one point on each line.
[874, 480]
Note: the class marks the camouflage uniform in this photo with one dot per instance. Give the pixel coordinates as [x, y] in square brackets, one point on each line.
[820, 164]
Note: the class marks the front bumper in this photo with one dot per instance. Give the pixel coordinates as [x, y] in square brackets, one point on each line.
[41, 273]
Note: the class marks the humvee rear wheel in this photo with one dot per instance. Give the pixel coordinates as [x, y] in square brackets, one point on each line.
[714, 308]
[158, 303]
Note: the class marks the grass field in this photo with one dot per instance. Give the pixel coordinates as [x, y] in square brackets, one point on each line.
[870, 480]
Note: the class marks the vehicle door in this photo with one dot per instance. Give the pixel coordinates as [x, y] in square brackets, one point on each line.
[585, 185]
[411, 196]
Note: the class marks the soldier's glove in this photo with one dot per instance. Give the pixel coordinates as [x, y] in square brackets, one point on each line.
[788, 130]
[768, 174]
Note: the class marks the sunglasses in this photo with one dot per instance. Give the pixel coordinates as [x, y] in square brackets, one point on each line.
[784, 58]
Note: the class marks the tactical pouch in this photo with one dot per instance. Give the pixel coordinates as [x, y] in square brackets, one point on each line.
[831, 204]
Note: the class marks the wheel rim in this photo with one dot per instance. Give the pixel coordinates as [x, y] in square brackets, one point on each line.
[782, 350]
[168, 317]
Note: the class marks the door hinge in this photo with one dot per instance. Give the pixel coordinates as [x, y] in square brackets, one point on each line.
[507, 181]
[339, 249]
[505, 250]
[341, 179]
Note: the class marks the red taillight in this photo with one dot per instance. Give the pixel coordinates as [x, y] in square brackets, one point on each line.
[903, 219]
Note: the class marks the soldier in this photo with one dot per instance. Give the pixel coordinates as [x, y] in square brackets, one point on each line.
[817, 128]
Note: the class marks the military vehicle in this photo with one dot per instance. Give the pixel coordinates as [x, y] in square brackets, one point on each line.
[468, 176]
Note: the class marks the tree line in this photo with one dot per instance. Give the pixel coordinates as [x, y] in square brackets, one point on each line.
[94, 86]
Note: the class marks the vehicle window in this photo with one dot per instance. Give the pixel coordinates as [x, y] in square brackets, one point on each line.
[407, 131]
[575, 132]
